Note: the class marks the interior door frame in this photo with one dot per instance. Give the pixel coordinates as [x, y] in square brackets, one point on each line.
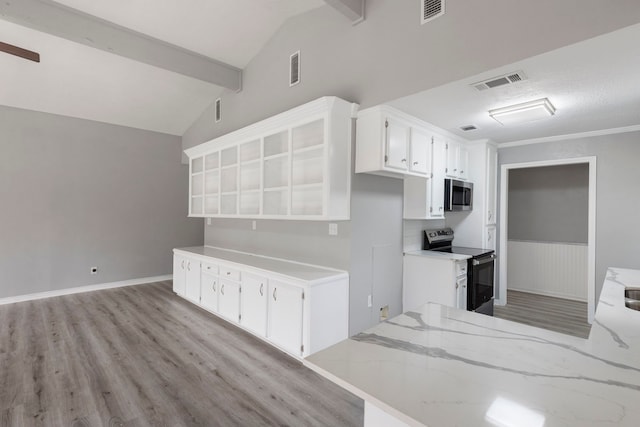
[591, 239]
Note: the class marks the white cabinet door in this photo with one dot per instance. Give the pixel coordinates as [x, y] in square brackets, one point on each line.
[253, 304]
[210, 288]
[490, 236]
[420, 150]
[192, 286]
[463, 162]
[229, 299]
[492, 171]
[452, 159]
[179, 274]
[439, 153]
[285, 316]
[397, 139]
[461, 292]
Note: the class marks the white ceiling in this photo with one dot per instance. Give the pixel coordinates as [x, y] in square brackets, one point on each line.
[594, 85]
[76, 80]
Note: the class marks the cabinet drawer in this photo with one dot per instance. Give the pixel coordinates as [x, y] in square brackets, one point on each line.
[229, 273]
[209, 268]
[461, 268]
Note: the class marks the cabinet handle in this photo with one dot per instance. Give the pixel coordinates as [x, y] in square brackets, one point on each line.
[214, 286]
[455, 170]
[461, 171]
[457, 286]
[275, 298]
[222, 289]
[403, 160]
[228, 273]
[189, 266]
[490, 215]
[183, 264]
[261, 289]
[415, 163]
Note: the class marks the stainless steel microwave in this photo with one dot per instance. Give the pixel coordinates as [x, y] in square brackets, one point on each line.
[458, 195]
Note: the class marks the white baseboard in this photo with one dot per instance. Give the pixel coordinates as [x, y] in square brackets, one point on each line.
[547, 293]
[80, 289]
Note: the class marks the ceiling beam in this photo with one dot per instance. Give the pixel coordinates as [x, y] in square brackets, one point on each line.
[61, 21]
[352, 9]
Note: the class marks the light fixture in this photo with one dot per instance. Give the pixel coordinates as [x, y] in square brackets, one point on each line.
[525, 112]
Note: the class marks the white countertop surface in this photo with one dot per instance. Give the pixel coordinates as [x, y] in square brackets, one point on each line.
[295, 270]
[438, 366]
[439, 255]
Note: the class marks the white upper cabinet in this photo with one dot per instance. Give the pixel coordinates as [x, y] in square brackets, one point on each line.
[295, 165]
[457, 160]
[392, 143]
[424, 197]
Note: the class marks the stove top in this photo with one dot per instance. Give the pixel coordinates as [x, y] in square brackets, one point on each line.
[473, 252]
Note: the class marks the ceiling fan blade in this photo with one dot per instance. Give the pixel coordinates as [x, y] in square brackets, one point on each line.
[18, 51]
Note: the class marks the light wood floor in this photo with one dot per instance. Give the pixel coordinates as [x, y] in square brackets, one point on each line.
[141, 356]
[556, 314]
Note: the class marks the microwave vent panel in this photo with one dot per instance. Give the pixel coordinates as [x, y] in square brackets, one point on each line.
[506, 79]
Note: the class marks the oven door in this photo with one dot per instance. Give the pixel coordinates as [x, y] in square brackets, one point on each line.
[480, 281]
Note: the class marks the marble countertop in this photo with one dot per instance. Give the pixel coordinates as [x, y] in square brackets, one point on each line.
[438, 255]
[438, 366]
[311, 273]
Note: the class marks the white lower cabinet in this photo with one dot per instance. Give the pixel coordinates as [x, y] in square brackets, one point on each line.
[209, 288]
[253, 304]
[285, 316]
[179, 274]
[297, 307]
[429, 279]
[229, 300]
[186, 277]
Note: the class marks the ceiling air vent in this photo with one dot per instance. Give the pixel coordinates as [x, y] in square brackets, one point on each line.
[431, 9]
[218, 110]
[294, 69]
[467, 128]
[500, 81]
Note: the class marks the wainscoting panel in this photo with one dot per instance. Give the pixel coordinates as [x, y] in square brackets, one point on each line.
[554, 269]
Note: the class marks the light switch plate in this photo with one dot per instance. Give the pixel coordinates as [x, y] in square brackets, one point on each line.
[333, 229]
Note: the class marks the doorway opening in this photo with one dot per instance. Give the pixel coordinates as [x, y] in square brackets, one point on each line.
[568, 243]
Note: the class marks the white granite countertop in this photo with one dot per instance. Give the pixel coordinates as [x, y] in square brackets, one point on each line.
[311, 273]
[438, 255]
[438, 366]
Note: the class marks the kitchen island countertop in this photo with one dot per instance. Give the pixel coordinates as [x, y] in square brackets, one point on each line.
[438, 366]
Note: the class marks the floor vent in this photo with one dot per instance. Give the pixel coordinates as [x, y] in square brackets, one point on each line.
[500, 81]
[218, 110]
[294, 69]
[431, 9]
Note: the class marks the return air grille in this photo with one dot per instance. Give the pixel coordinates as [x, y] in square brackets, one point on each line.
[500, 81]
[294, 69]
[431, 9]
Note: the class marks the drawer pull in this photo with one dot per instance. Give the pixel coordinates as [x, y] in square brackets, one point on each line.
[228, 273]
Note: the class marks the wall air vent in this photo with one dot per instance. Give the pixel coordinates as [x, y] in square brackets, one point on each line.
[431, 9]
[467, 128]
[294, 69]
[500, 81]
[218, 110]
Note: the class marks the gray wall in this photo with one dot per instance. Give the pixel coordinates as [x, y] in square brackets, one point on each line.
[387, 56]
[77, 194]
[549, 204]
[617, 201]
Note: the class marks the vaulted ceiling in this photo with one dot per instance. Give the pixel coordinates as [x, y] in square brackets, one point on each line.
[148, 64]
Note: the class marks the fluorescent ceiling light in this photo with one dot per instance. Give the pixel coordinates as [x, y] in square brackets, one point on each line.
[525, 112]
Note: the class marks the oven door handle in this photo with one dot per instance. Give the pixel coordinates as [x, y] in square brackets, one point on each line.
[484, 260]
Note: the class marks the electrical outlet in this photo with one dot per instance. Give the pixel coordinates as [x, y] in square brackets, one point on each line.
[94, 270]
[369, 301]
[333, 229]
[253, 224]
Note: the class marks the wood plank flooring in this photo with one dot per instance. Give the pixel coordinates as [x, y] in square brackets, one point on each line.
[141, 356]
[556, 314]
